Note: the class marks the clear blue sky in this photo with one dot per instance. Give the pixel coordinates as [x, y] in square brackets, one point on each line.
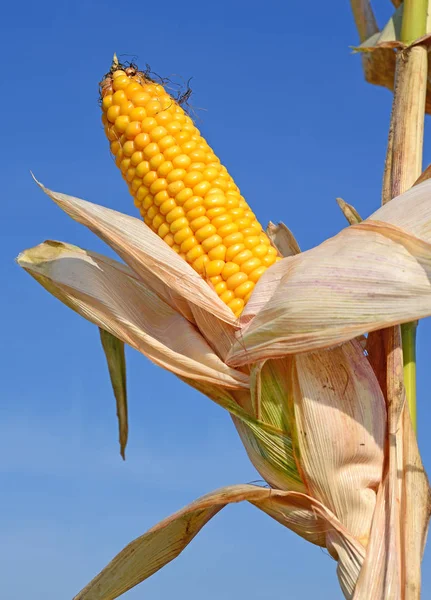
[289, 114]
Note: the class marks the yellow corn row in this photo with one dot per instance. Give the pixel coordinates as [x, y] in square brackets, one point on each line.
[180, 188]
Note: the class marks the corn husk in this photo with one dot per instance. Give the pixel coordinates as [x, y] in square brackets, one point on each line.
[317, 415]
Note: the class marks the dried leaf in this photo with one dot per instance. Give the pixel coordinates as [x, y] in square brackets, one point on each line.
[351, 214]
[349, 285]
[171, 277]
[115, 357]
[164, 542]
[101, 291]
[283, 239]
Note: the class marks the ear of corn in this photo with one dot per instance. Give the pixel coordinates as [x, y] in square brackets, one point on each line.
[179, 186]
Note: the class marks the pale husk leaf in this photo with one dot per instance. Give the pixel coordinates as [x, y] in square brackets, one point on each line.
[164, 542]
[283, 239]
[370, 276]
[115, 357]
[163, 270]
[106, 295]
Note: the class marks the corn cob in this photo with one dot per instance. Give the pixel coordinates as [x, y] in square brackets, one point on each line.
[182, 191]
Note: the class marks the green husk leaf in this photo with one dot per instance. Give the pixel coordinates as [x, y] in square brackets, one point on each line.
[115, 357]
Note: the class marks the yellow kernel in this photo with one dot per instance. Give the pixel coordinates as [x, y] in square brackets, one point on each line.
[260, 251]
[153, 107]
[141, 193]
[218, 253]
[183, 196]
[137, 114]
[253, 230]
[221, 220]
[242, 256]
[182, 235]
[236, 305]
[199, 211]
[182, 161]
[125, 164]
[214, 280]
[163, 117]
[130, 175]
[210, 173]
[125, 108]
[143, 168]
[136, 158]
[148, 124]
[192, 203]
[173, 127]
[235, 280]
[178, 224]
[193, 178]
[140, 98]
[161, 197]
[115, 146]
[233, 250]
[231, 239]
[167, 206]
[151, 150]
[257, 273]
[250, 265]
[176, 175]
[175, 187]
[244, 289]
[220, 287]
[175, 213]
[182, 137]
[202, 188]
[163, 230]
[188, 244]
[121, 123]
[142, 140]
[147, 202]
[188, 147]
[113, 113]
[172, 152]
[268, 260]
[107, 102]
[168, 239]
[228, 230]
[133, 129]
[194, 253]
[197, 155]
[131, 89]
[136, 183]
[152, 212]
[158, 185]
[119, 97]
[211, 242]
[149, 178]
[165, 168]
[147, 220]
[227, 296]
[205, 232]
[156, 161]
[118, 73]
[214, 267]
[200, 263]
[111, 133]
[176, 248]
[200, 222]
[215, 201]
[212, 213]
[157, 221]
[157, 133]
[229, 269]
[128, 148]
[242, 223]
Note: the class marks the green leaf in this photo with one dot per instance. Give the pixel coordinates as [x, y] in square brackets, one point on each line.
[114, 352]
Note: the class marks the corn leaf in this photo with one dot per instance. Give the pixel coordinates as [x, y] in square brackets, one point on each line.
[163, 270]
[115, 357]
[164, 542]
[101, 290]
[349, 212]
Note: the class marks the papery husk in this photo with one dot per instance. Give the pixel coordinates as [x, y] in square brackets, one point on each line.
[164, 542]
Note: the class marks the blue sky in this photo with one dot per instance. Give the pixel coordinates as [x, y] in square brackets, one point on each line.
[288, 112]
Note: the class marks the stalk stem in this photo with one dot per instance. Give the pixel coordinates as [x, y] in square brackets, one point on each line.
[414, 20]
[408, 333]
